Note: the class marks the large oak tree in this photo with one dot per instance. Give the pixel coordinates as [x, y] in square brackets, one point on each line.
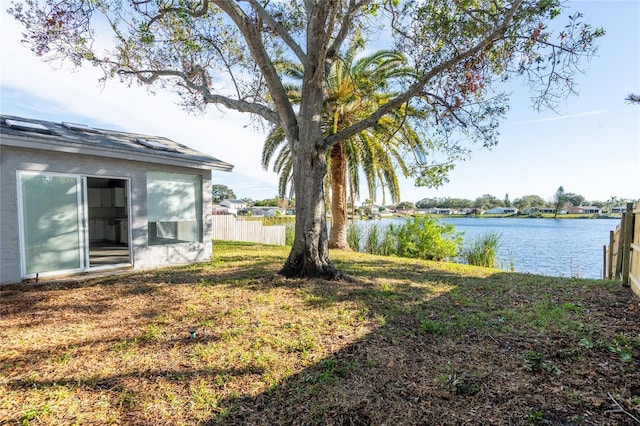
[223, 52]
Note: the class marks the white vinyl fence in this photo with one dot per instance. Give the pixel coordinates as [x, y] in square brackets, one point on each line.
[227, 227]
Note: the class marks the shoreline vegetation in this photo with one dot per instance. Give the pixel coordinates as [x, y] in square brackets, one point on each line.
[542, 216]
[279, 220]
[405, 341]
[507, 216]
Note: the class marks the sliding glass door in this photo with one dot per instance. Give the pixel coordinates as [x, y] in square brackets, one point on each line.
[51, 226]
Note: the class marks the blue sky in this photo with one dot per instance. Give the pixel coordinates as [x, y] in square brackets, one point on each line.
[590, 146]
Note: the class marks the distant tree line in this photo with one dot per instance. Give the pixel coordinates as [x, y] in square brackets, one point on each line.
[488, 201]
[559, 200]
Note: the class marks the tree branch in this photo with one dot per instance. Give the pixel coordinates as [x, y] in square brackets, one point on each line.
[150, 76]
[416, 88]
[620, 409]
[279, 29]
[345, 26]
[285, 110]
[449, 108]
[196, 13]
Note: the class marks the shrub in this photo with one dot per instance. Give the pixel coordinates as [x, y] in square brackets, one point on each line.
[289, 234]
[371, 242]
[482, 250]
[426, 238]
[354, 237]
[277, 220]
[421, 237]
[389, 244]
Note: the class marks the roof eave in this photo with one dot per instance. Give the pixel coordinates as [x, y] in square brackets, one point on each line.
[64, 146]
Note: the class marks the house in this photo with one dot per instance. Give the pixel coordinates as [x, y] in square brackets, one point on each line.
[547, 210]
[501, 210]
[79, 199]
[531, 211]
[442, 211]
[223, 210]
[474, 211]
[618, 210]
[237, 205]
[584, 210]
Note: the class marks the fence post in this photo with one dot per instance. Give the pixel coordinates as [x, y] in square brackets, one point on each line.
[604, 262]
[620, 252]
[634, 273]
[627, 232]
[610, 262]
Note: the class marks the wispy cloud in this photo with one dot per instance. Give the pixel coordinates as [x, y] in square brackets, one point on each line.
[562, 117]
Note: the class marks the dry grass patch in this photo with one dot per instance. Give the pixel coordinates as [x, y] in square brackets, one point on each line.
[231, 342]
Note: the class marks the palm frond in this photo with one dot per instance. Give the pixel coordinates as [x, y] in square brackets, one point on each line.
[274, 140]
[355, 88]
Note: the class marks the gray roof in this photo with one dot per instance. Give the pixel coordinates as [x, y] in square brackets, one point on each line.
[82, 139]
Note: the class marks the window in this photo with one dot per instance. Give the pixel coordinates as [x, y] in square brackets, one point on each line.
[174, 208]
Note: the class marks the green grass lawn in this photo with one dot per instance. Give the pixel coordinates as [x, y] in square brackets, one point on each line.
[406, 342]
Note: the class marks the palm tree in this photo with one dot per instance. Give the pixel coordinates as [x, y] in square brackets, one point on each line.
[633, 98]
[355, 88]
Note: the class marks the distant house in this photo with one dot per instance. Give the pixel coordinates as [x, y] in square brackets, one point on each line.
[584, 210]
[442, 211]
[501, 210]
[398, 211]
[618, 210]
[546, 210]
[531, 211]
[473, 210]
[223, 210]
[234, 204]
[79, 199]
[268, 211]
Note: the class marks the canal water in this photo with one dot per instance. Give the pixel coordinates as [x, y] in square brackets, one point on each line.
[553, 247]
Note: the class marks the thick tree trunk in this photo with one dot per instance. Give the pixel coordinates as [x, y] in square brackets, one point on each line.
[338, 178]
[309, 256]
